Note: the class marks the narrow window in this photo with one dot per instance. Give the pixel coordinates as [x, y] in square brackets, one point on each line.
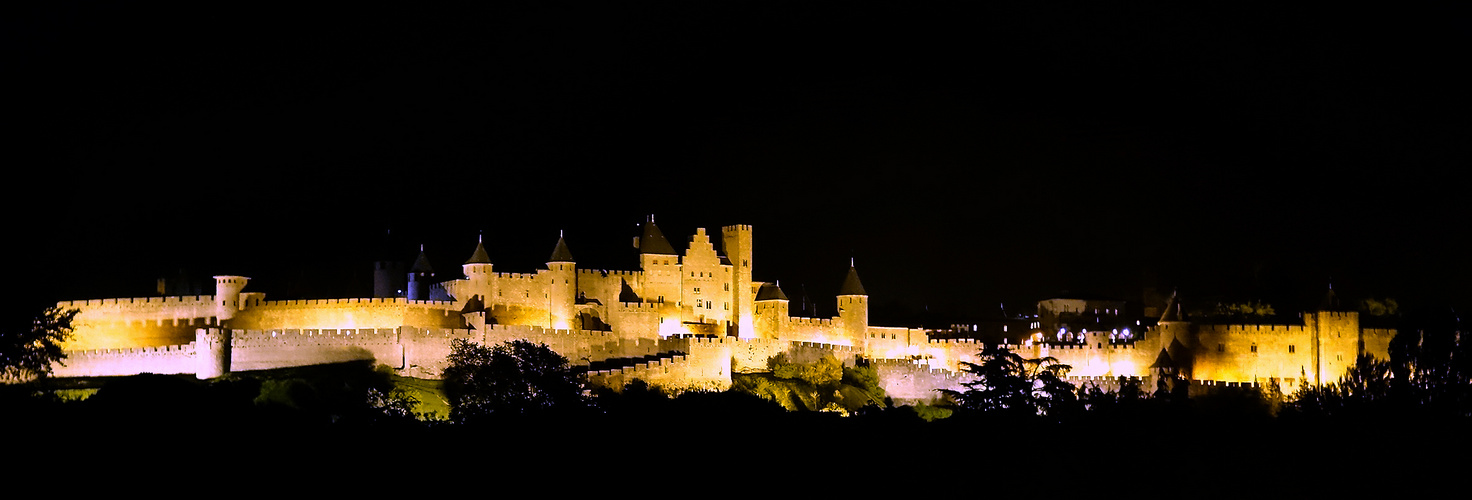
[1221, 348]
[1254, 348]
[1290, 349]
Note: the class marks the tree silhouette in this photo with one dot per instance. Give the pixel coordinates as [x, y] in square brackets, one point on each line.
[516, 378]
[28, 354]
[1009, 385]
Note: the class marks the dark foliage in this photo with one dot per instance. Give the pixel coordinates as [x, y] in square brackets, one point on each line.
[27, 354]
[513, 379]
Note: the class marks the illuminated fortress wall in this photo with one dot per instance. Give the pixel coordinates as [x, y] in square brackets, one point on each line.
[700, 313]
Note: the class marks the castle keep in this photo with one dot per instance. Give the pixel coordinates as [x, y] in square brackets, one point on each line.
[684, 321]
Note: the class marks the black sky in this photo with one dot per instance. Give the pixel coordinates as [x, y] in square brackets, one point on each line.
[962, 155]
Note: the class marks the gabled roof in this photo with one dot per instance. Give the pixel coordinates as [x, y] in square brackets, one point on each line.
[851, 285]
[480, 256]
[770, 292]
[653, 240]
[561, 253]
[421, 264]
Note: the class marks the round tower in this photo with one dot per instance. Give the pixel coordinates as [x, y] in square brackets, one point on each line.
[853, 307]
[212, 352]
[771, 312]
[477, 271]
[227, 296]
[419, 277]
[562, 286]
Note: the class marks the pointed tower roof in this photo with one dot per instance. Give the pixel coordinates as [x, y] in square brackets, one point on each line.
[851, 285]
[1163, 360]
[1331, 301]
[653, 240]
[421, 265]
[480, 256]
[1173, 310]
[770, 291]
[561, 253]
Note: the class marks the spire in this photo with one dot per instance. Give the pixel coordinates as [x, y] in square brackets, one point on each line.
[1173, 309]
[561, 253]
[851, 285]
[480, 256]
[1331, 300]
[421, 265]
[653, 240]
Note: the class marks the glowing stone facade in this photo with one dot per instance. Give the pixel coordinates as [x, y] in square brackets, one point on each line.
[691, 318]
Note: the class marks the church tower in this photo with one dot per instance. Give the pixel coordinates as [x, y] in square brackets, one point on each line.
[562, 286]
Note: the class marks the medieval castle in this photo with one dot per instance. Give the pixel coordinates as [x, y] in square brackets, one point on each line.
[681, 321]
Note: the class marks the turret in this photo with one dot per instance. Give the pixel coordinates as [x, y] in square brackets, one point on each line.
[736, 243]
[771, 312]
[1336, 336]
[419, 277]
[853, 307]
[1176, 337]
[661, 267]
[562, 286]
[227, 296]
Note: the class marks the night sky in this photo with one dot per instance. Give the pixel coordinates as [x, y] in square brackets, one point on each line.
[964, 157]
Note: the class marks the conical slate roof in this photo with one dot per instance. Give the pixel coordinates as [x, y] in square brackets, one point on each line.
[480, 256]
[851, 285]
[1173, 310]
[561, 253]
[770, 292]
[421, 264]
[1163, 361]
[653, 240]
[1330, 302]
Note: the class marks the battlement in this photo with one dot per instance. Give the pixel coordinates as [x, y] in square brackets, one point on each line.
[159, 301]
[133, 351]
[647, 366]
[606, 273]
[735, 228]
[647, 306]
[516, 276]
[313, 336]
[821, 345]
[393, 301]
[1250, 329]
[957, 341]
[821, 322]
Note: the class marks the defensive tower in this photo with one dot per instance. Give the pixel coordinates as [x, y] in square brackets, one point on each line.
[736, 243]
[562, 285]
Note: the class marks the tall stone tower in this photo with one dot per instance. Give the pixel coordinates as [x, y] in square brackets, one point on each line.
[227, 296]
[1336, 336]
[736, 243]
[562, 287]
[853, 307]
[1176, 340]
[419, 277]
